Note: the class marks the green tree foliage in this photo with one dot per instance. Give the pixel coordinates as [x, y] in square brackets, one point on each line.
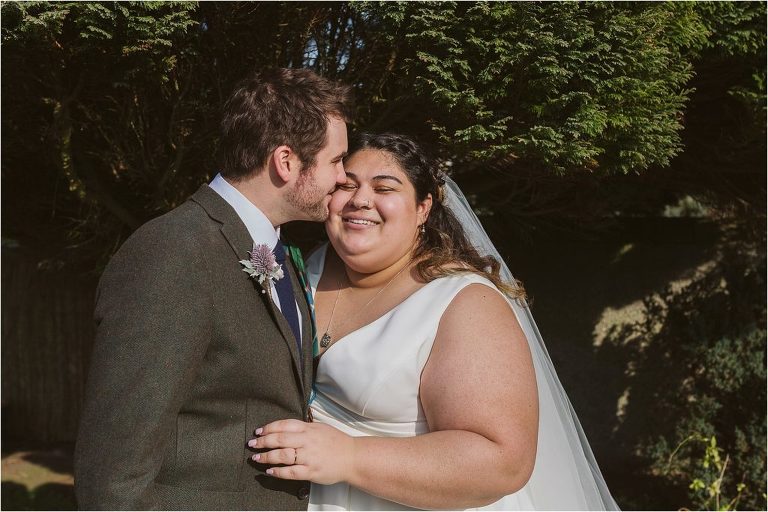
[726, 120]
[96, 101]
[559, 85]
[110, 109]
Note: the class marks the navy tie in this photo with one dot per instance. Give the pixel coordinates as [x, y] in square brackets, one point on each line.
[285, 293]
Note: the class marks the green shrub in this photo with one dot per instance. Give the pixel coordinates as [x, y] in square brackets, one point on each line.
[697, 414]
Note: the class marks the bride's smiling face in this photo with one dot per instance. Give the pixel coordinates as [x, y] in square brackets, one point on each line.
[374, 216]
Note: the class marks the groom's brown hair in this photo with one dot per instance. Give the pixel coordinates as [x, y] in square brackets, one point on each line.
[278, 107]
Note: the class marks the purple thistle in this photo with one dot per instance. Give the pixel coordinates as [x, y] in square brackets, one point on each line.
[262, 265]
[262, 259]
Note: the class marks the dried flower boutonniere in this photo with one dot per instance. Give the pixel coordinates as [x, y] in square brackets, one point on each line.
[262, 265]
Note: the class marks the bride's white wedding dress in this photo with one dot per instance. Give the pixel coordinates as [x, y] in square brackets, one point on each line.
[367, 384]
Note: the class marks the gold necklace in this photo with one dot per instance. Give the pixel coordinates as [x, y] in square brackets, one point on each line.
[326, 340]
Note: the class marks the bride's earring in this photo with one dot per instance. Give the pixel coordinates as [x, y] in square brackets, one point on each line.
[423, 229]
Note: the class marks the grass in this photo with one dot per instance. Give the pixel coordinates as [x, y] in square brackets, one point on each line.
[37, 480]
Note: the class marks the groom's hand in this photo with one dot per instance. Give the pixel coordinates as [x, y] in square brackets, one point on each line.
[304, 451]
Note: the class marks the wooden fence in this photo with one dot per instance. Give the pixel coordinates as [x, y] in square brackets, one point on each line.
[47, 335]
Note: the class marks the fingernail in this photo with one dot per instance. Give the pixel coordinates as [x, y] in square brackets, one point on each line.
[256, 457]
[259, 431]
[252, 443]
[270, 471]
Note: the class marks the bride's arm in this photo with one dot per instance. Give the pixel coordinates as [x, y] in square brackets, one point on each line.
[478, 392]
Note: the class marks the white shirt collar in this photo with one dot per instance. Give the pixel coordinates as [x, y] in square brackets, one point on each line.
[259, 226]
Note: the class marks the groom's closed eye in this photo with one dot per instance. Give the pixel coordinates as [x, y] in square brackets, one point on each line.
[348, 186]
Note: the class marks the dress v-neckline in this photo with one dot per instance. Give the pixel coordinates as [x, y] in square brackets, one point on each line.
[369, 324]
[387, 313]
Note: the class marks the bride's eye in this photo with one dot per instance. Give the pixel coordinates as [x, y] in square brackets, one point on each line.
[347, 186]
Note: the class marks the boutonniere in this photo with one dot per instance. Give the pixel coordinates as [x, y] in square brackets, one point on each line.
[262, 265]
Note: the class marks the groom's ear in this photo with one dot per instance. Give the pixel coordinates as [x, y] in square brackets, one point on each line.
[286, 163]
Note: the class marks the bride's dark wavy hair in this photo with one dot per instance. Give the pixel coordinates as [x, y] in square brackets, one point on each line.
[443, 249]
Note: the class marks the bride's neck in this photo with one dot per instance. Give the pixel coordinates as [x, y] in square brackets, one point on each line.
[379, 278]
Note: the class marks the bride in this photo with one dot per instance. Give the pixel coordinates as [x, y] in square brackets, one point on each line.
[433, 387]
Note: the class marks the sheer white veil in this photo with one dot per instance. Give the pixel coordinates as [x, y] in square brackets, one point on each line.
[566, 475]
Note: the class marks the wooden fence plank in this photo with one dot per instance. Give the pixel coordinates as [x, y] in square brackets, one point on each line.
[47, 335]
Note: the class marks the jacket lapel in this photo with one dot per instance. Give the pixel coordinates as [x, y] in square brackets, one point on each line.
[236, 234]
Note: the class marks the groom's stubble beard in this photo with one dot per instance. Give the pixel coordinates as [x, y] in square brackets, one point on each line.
[308, 198]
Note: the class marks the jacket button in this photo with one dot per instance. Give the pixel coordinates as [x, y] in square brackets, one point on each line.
[303, 492]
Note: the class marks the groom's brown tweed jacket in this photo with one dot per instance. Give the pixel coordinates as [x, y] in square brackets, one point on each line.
[190, 357]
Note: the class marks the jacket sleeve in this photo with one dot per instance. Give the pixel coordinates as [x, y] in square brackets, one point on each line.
[153, 326]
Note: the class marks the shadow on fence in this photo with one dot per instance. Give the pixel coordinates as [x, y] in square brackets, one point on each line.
[47, 334]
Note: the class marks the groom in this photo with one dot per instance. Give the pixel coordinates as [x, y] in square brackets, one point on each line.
[191, 353]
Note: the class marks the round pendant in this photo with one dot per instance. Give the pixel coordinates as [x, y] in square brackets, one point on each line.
[325, 340]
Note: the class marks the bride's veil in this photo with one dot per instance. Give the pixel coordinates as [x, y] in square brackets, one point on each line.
[565, 476]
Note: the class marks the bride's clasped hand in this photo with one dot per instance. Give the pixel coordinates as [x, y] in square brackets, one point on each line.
[297, 450]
